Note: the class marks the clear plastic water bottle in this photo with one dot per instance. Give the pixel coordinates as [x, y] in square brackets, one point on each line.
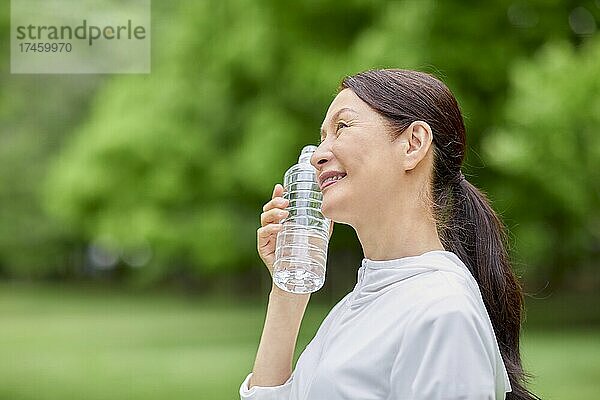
[301, 248]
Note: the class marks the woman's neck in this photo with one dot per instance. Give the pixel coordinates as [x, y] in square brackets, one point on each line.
[387, 238]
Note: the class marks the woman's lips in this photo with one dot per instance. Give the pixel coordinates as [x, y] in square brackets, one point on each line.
[331, 183]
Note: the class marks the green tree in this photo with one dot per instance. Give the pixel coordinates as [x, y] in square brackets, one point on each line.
[183, 159]
[548, 151]
[37, 112]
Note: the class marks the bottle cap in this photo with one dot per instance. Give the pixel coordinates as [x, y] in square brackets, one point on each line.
[309, 149]
[306, 154]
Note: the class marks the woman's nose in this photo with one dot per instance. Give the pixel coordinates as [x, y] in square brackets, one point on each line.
[320, 156]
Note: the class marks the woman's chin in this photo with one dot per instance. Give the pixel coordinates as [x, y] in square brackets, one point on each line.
[330, 208]
[327, 211]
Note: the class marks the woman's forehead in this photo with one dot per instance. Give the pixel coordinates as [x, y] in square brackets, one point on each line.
[346, 101]
[345, 98]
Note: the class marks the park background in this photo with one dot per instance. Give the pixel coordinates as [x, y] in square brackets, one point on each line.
[129, 203]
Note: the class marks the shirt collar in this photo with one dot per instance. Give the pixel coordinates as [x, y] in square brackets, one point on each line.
[408, 260]
[376, 277]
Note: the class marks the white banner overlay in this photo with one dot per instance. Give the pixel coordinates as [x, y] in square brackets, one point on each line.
[80, 36]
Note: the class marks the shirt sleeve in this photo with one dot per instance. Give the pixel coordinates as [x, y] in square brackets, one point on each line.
[445, 354]
[281, 392]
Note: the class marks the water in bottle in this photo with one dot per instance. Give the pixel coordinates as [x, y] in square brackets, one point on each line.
[301, 248]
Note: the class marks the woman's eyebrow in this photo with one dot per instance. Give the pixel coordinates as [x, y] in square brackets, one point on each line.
[334, 117]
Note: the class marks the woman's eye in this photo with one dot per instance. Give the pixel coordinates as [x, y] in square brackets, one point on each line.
[341, 125]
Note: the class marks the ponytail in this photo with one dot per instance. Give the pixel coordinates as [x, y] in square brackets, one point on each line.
[478, 237]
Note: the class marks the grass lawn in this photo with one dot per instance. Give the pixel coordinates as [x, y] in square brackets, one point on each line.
[62, 343]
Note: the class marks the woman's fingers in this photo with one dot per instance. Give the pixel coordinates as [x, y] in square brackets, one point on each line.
[266, 236]
[276, 199]
[274, 210]
[278, 191]
[265, 231]
[278, 202]
[274, 215]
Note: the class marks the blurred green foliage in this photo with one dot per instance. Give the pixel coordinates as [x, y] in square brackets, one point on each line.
[549, 144]
[167, 172]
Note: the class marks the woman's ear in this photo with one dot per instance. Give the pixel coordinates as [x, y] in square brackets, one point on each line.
[414, 143]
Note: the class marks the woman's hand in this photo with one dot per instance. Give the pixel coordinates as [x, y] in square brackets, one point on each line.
[273, 212]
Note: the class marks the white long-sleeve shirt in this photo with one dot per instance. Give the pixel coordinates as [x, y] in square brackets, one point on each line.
[412, 328]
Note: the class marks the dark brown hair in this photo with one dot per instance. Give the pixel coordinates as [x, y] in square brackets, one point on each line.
[466, 223]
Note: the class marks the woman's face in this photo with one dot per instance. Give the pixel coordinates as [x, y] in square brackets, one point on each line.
[355, 142]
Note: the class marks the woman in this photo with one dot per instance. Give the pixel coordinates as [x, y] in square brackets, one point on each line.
[436, 310]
